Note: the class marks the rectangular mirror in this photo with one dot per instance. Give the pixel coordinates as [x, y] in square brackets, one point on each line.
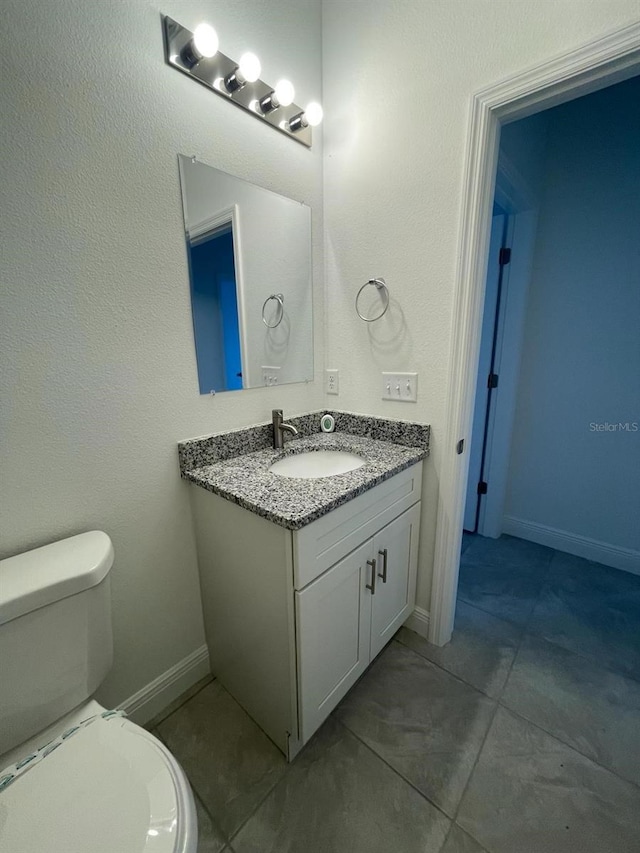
[249, 253]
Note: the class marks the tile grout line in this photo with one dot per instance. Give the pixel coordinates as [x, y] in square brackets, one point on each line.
[545, 575]
[473, 770]
[466, 832]
[448, 672]
[396, 772]
[446, 838]
[498, 704]
[591, 659]
[443, 668]
[568, 745]
[287, 770]
[490, 612]
[475, 606]
[195, 791]
[159, 719]
[214, 822]
[588, 658]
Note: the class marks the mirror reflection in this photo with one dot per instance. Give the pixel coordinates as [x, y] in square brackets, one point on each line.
[249, 252]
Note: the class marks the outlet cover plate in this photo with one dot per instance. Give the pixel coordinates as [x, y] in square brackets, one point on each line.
[402, 387]
[331, 382]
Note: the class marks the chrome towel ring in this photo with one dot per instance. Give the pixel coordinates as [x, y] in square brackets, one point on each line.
[382, 287]
[280, 299]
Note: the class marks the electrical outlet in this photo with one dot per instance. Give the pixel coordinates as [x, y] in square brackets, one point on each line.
[270, 375]
[331, 382]
[400, 386]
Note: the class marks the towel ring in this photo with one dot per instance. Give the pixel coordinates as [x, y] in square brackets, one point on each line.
[382, 286]
[279, 298]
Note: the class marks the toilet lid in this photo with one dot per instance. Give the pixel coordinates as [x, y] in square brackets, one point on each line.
[108, 789]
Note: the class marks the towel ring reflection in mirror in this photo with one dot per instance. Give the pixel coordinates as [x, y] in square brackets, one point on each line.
[280, 299]
[382, 288]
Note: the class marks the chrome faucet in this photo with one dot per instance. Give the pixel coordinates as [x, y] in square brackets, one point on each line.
[279, 428]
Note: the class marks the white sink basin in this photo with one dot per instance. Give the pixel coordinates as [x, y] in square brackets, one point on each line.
[317, 463]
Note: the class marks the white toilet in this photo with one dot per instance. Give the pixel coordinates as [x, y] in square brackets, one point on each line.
[78, 779]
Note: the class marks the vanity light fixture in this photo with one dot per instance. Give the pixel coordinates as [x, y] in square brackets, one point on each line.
[196, 54]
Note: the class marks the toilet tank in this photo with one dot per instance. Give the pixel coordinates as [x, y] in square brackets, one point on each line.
[56, 644]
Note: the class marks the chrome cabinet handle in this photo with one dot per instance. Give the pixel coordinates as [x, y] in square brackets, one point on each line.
[383, 574]
[372, 585]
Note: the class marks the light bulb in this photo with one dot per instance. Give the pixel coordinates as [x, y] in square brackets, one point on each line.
[313, 114]
[282, 96]
[284, 92]
[311, 117]
[205, 40]
[249, 67]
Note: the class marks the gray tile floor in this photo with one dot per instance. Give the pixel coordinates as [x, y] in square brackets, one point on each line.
[520, 736]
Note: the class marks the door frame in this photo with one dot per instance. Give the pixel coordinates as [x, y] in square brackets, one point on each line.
[519, 200]
[485, 397]
[596, 65]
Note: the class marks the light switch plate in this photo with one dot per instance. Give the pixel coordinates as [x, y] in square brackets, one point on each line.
[402, 387]
[331, 382]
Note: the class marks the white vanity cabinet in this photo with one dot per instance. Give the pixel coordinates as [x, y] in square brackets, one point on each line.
[346, 616]
[293, 618]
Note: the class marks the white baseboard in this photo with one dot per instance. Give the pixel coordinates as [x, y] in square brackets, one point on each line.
[625, 559]
[419, 622]
[155, 696]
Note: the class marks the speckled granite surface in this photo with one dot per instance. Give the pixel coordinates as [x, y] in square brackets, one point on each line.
[235, 465]
[199, 452]
[293, 503]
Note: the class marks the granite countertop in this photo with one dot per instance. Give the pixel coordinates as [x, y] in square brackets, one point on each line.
[291, 502]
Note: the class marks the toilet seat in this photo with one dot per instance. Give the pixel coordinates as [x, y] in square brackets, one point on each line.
[111, 788]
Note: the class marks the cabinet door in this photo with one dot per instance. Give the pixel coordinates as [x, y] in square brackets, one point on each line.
[394, 597]
[333, 617]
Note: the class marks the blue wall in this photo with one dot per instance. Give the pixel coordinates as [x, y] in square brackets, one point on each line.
[576, 444]
[215, 314]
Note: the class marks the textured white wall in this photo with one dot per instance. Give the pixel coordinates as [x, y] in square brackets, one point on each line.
[98, 374]
[581, 353]
[398, 78]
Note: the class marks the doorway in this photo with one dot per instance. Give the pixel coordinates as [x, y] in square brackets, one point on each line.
[581, 357]
[214, 303]
[593, 67]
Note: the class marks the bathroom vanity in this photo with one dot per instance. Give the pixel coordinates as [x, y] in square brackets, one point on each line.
[304, 581]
